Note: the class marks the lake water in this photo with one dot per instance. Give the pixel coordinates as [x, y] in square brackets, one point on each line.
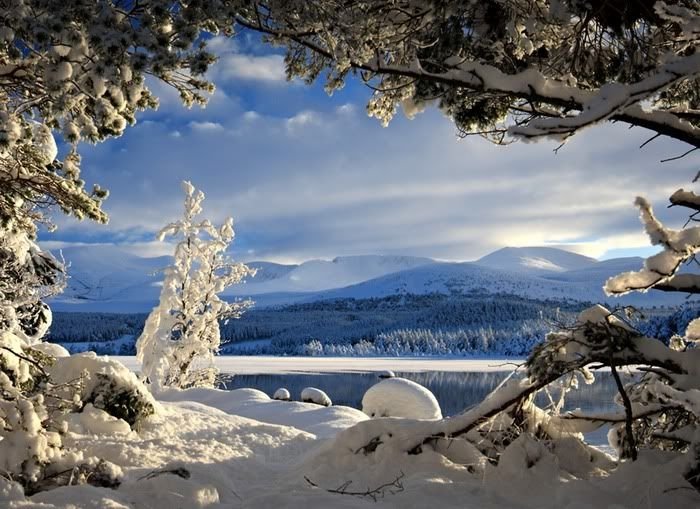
[455, 391]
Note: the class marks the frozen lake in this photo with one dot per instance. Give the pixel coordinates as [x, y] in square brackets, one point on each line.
[456, 383]
[455, 391]
[267, 364]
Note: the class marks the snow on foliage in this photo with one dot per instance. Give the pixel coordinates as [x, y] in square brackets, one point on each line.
[517, 69]
[80, 68]
[314, 395]
[398, 397]
[679, 247]
[181, 335]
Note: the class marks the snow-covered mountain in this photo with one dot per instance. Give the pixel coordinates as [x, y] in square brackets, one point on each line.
[318, 275]
[109, 279]
[468, 278]
[104, 273]
[536, 259]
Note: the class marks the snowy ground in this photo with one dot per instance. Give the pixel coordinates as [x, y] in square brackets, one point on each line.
[230, 449]
[258, 364]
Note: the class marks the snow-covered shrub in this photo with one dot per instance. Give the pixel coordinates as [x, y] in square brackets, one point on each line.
[104, 383]
[181, 334]
[40, 384]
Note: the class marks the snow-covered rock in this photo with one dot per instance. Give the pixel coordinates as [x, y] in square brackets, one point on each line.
[282, 394]
[387, 373]
[314, 395]
[398, 397]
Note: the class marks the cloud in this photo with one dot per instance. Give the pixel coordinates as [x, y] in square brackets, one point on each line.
[305, 177]
[268, 68]
[205, 126]
[301, 119]
[244, 63]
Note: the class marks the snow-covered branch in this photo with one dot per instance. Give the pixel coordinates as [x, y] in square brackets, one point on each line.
[679, 247]
[558, 64]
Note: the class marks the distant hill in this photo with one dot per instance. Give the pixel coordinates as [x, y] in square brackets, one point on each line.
[536, 259]
[318, 275]
[105, 278]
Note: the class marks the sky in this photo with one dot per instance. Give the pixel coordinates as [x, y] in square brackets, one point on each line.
[309, 176]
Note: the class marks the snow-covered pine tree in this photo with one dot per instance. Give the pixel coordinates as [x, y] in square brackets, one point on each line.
[181, 334]
[661, 409]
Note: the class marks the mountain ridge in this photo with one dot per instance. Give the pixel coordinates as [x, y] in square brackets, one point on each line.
[118, 282]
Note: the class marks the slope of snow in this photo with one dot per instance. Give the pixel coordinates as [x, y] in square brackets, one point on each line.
[105, 272]
[267, 271]
[205, 455]
[535, 259]
[107, 279]
[600, 271]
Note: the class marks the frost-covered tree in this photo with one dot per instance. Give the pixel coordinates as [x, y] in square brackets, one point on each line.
[80, 69]
[522, 70]
[39, 385]
[181, 335]
[503, 68]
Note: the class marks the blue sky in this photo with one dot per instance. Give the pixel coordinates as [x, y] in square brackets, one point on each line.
[307, 176]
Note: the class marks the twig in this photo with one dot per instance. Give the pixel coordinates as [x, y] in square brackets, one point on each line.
[392, 487]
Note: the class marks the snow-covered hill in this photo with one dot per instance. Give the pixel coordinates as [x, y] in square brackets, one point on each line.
[109, 279]
[464, 278]
[318, 275]
[536, 259]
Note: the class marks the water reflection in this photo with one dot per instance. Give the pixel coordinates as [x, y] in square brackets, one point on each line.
[454, 391]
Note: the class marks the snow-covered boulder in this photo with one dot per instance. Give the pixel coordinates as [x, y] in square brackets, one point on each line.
[386, 374]
[282, 394]
[398, 397]
[314, 395]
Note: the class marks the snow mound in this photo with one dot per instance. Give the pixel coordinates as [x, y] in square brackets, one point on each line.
[317, 396]
[398, 397]
[386, 374]
[323, 422]
[282, 394]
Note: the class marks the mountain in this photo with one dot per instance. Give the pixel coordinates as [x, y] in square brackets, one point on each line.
[536, 260]
[318, 275]
[105, 278]
[583, 285]
[267, 271]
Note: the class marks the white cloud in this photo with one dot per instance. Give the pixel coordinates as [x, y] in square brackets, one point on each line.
[267, 68]
[301, 119]
[342, 184]
[205, 126]
[345, 109]
[142, 249]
